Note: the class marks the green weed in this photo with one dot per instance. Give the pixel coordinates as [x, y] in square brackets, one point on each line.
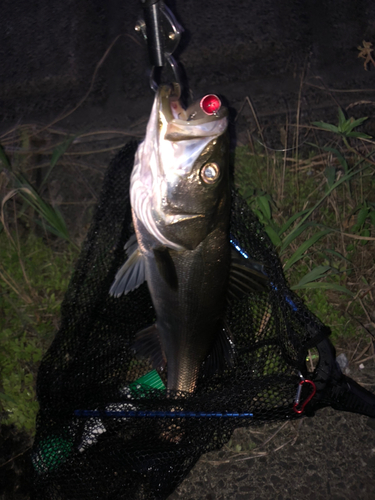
[33, 280]
[308, 220]
[51, 218]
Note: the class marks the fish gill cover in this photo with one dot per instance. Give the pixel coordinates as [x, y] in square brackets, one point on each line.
[106, 428]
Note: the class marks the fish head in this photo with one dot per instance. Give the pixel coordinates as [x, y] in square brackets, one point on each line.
[180, 186]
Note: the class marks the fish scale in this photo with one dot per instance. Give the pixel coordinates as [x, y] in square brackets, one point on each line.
[181, 200]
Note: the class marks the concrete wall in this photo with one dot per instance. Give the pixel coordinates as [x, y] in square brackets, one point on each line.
[49, 49]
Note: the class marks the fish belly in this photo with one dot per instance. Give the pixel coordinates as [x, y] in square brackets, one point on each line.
[189, 314]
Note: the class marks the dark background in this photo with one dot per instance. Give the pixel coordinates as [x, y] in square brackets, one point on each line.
[49, 50]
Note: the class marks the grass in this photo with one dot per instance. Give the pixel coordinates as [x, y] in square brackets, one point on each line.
[33, 280]
[319, 211]
[317, 205]
[38, 247]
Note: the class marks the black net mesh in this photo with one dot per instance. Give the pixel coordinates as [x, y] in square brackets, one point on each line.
[91, 367]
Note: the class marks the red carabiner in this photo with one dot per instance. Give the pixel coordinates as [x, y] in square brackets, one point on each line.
[307, 400]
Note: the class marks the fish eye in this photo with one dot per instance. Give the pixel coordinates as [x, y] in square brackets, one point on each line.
[210, 173]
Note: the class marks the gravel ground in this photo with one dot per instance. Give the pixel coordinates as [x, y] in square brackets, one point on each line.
[330, 456]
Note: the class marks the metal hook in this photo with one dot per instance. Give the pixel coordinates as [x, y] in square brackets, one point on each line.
[162, 32]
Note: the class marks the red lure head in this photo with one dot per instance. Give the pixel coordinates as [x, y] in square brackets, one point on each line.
[210, 104]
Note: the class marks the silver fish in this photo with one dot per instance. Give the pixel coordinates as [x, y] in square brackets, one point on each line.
[180, 198]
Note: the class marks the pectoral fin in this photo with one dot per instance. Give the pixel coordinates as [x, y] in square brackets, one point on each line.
[147, 344]
[132, 274]
[246, 276]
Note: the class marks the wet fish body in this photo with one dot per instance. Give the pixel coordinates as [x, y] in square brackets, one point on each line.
[180, 197]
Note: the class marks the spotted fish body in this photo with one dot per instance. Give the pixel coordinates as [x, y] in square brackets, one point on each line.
[180, 198]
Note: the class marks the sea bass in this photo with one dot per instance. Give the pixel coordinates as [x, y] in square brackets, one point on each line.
[181, 199]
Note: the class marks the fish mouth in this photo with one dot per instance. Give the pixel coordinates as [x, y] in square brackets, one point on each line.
[174, 112]
[170, 105]
[170, 218]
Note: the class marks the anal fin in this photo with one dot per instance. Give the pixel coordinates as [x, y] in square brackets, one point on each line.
[147, 345]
